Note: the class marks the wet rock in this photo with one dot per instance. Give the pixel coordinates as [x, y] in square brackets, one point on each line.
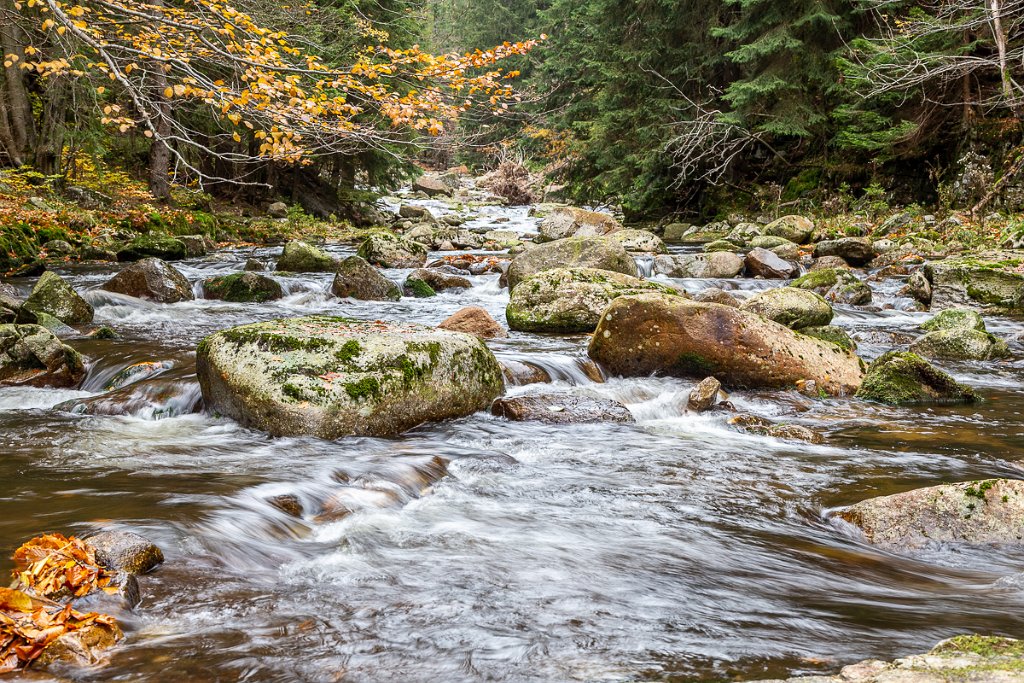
[715, 265]
[195, 245]
[856, 293]
[829, 263]
[746, 234]
[288, 504]
[357, 279]
[714, 295]
[960, 344]
[794, 228]
[832, 334]
[990, 279]
[151, 279]
[656, 333]
[300, 257]
[837, 285]
[856, 251]
[153, 398]
[138, 372]
[918, 288]
[54, 325]
[900, 378]
[521, 373]
[31, 355]
[388, 250]
[253, 266]
[794, 308]
[153, 245]
[243, 288]
[58, 249]
[955, 319]
[602, 253]
[704, 396]
[476, 321]
[438, 280]
[753, 424]
[56, 297]
[639, 241]
[278, 210]
[85, 647]
[674, 231]
[570, 221]
[570, 300]
[720, 245]
[432, 186]
[414, 212]
[974, 512]
[561, 409]
[767, 264]
[124, 551]
[330, 377]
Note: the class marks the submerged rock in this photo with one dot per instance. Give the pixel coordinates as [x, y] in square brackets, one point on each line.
[243, 288]
[330, 377]
[900, 378]
[575, 252]
[54, 296]
[794, 308]
[151, 279]
[989, 511]
[357, 279]
[570, 221]
[569, 300]
[476, 321]
[300, 257]
[31, 355]
[561, 409]
[388, 250]
[753, 424]
[656, 333]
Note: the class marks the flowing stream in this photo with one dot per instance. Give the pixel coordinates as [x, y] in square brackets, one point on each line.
[673, 549]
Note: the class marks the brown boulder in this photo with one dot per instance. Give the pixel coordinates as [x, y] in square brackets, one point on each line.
[474, 320]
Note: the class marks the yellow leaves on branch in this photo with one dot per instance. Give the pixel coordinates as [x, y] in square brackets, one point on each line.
[211, 55]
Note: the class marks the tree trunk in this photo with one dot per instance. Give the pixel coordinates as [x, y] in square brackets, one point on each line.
[159, 152]
[12, 42]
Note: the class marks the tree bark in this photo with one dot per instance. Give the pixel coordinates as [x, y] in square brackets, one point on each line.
[159, 152]
[12, 42]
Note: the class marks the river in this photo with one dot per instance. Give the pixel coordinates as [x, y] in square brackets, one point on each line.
[675, 549]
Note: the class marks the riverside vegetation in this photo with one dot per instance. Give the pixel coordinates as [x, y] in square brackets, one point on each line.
[308, 372]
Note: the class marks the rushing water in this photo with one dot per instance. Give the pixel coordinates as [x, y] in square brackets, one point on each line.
[672, 549]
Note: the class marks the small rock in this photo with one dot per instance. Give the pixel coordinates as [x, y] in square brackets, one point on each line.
[561, 409]
[956, 319]
[767, 264]
[474, 320]
[278, 210]
[794, 228]
[522, 373]
[704, 396]
[124, 551]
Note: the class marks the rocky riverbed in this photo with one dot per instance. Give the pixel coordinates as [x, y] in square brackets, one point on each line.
[336, 496]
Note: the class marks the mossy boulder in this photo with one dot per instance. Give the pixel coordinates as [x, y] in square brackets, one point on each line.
[674, 231]
[955, 319]
[901, 378]
[300, 257]
[745, 234]
[602, 253]
[794, 308]
[54, 296]
[646, 334]
[388, 250]
[331, 377]
[851, 293]
[837, 285]
[357, 279]
[856, 251]
[243, 288]
[155, 245]
[720, 245]
[713, 266]
[972, 512]
[988, 280]
[570, 221]
[153, 280]
[771, 242]
[438, 280]
[639, 241]
[796, 229]
[570, 300]
[417, 288]
[832, 334]
[31, 355]
[960, 344]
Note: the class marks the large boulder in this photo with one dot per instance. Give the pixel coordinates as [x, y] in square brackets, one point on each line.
[794, 228]
[476, 321]
[838, 285]
[769, 265]
[331, 377]
[31, 355]
[713, 266]
[151, 279]
[153, 245]
[991, 279]
[960, 344]
[570, 221]
[437, 279]
[856, 251]
[569, 300]
[357, 279]
[639, 241]
[54, 296]
[900, 378]
[432, 186]
[794, 308]
[561, 409]
[575, 252]
[972, 512]
[388, 250]
[955, 319]
[243, 288]
[300, 257]
[657, 333]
